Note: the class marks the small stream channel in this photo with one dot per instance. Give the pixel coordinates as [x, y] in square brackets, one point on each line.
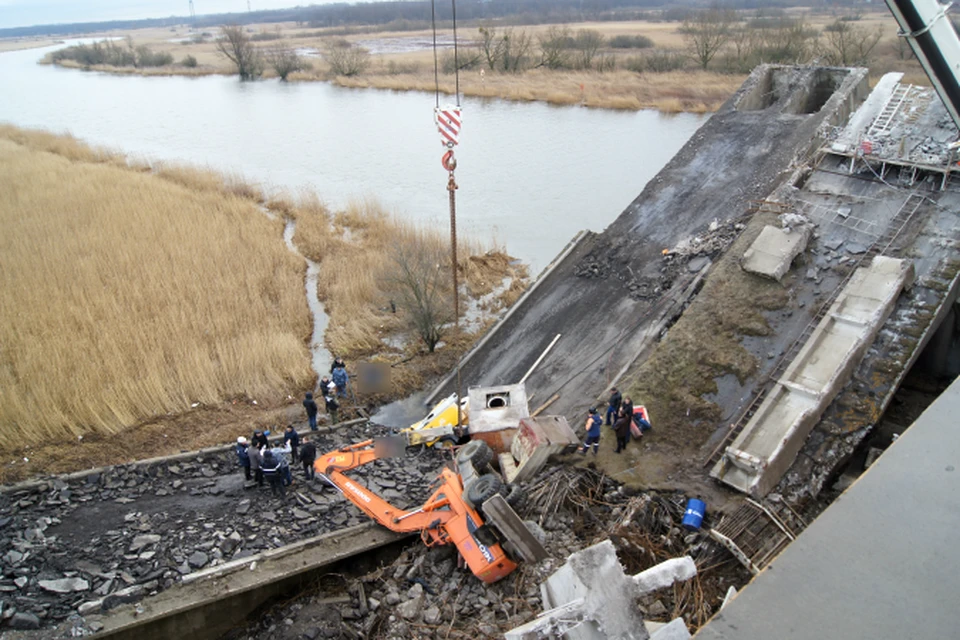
[319, 356]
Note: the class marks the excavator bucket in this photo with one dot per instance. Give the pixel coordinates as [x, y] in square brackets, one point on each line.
[514, 533]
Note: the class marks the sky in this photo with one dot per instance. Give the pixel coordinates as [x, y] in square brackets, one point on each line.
[24, 13]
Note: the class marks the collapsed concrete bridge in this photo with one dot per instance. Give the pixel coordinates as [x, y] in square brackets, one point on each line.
[780, 145]
[613, 296]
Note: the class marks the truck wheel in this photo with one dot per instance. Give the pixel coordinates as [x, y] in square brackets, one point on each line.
[477, 452]
[484, 488]
[515, 496]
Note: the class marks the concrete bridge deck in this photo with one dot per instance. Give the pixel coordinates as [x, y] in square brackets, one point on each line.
[608, 298]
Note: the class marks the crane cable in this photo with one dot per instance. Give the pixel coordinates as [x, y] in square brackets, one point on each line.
[448, 120]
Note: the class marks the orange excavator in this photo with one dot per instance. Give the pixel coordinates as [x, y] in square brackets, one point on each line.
[468, 508]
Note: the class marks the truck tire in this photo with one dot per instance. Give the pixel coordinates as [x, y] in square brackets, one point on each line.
[515, 496]
[484, 488]
[477, 452]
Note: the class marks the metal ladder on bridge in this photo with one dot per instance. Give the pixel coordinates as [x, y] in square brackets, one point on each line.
[884, 121]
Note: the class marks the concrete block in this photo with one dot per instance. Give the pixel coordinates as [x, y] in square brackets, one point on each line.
[665, 574]
[772, 253]
[596, 576]
[495, 414]
[676, 629]
[590, 597]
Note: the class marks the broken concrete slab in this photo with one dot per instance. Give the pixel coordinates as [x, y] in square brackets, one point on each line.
[772, 253]
[665, 574]
[64, 585]
[590, 598]
[768, 444]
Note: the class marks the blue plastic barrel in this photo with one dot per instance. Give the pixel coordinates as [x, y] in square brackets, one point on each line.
[693, 516]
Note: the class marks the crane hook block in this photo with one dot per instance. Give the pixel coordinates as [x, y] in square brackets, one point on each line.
[448, 161]
[448, 119]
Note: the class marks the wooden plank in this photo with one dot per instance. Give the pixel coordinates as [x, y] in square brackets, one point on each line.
[545, 405]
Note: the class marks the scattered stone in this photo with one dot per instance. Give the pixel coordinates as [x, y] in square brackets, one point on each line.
[64, 585]
[142, 541]
[410, 610]
[123, 596]
[432, 615]
[198, 559]
[856, 248]
[21, 620]
[89, 607]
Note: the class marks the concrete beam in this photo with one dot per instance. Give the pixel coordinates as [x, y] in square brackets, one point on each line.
[210, 607]
[777, 431]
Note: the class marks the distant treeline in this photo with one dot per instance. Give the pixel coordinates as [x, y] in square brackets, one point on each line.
[414, 15]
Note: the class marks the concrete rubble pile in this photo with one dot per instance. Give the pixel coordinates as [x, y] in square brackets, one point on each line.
[82, 546]
[423, 594]
[691, 255]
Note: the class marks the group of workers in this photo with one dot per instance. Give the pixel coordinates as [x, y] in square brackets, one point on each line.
[622, 416]
[333, 388]
[262, 462]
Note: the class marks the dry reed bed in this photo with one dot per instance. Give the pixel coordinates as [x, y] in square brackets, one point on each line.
[690, 91]
[125, 295]
[132, 290]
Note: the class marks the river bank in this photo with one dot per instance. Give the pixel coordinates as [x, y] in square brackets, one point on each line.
[403, 61]
[177, 295]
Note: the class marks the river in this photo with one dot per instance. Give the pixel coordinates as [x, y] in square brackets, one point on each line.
[530, 175]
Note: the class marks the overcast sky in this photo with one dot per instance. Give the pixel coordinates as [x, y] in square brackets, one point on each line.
[23, 13]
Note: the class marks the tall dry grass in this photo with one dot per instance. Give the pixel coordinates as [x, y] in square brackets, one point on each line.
[124, 295]
[693, 91]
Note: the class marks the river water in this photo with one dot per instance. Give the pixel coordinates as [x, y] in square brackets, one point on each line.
[530, 175]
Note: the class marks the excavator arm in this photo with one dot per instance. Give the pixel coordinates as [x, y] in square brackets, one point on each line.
[333, 466]
[445, 518]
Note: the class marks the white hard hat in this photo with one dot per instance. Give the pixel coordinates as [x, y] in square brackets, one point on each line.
[241, 440]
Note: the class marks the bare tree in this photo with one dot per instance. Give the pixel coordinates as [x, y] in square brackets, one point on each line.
[491, 46]
[516, 50]
[706, 32]
[848, 44]
[587, 44]
[235, 45]
[555, 47]
[285, 62]
[346, 59]
[420, 282]
[794, 41]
